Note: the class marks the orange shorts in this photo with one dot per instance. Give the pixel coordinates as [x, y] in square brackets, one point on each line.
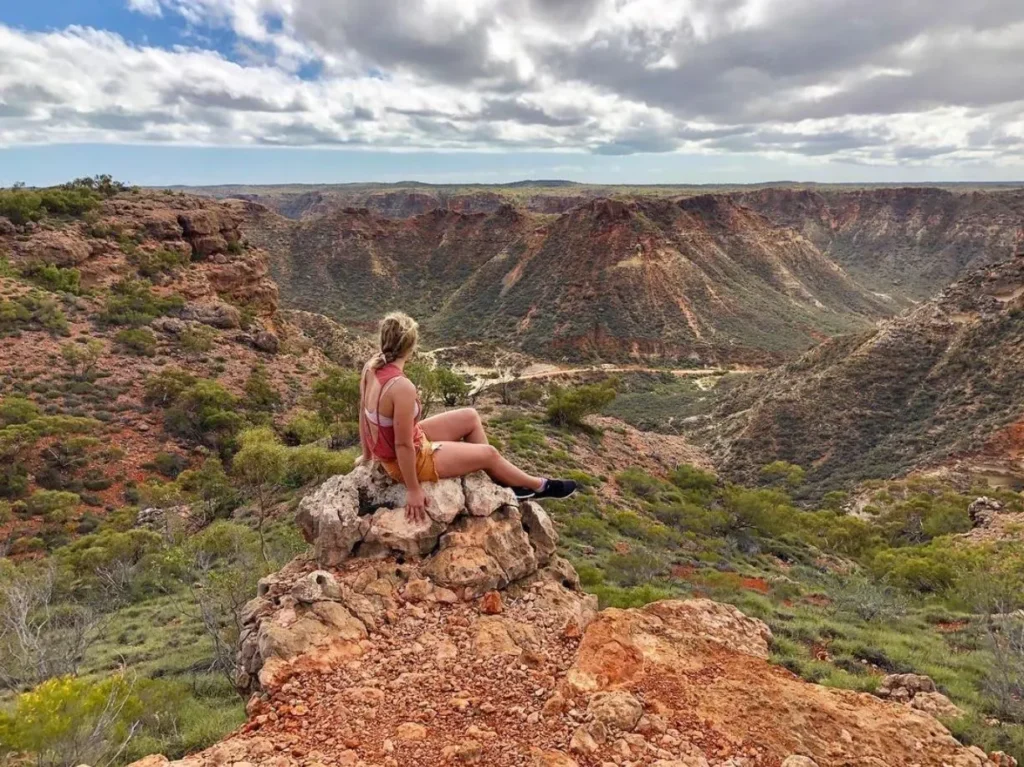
[425, 470]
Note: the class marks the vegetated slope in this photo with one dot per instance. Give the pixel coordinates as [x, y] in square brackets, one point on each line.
[93, 306]
[905, 241]
[702, 278]
[941, 382]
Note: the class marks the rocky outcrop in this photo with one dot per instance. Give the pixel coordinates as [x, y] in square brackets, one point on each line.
[920, 693]
[370, 558]
[983, 510]
[448, 642]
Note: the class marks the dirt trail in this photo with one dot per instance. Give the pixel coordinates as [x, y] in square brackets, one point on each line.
[542, 371]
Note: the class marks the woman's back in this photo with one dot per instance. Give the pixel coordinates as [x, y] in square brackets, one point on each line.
[381, 388]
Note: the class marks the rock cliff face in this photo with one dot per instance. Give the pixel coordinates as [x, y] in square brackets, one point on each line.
[701, 279]
[466, 640]
[939, 384]
[909, 242]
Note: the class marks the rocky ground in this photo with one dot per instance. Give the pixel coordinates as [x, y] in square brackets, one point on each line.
[465, 640]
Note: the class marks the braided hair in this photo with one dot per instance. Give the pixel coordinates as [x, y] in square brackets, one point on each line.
[398, 335]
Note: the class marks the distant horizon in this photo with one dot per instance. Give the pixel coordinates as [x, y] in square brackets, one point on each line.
[171, 167]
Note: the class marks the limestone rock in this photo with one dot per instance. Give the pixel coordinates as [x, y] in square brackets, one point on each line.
[501, 536]
[982, 510]
[59, 249]
[216, 314]
[541, 531]
[903, 687]
[391, 531]
[483, 497]
[266, 341]
[468, 570]
[6, 227]
[619, 709]
[329, 518]
[936, 704]
[318, 586]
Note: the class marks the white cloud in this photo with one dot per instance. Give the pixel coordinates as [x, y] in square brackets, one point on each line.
[860, 80]
[146, 7]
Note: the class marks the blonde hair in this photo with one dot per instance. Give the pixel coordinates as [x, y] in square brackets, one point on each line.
[398, 335]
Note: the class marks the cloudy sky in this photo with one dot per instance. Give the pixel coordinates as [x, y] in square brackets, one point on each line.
[632, 91]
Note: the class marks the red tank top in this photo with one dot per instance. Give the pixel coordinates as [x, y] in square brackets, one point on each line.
[383, 447]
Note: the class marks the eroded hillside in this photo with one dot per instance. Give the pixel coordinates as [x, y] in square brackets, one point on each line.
[940, 383]
[908, 242]
[701, 279]
[106, 320]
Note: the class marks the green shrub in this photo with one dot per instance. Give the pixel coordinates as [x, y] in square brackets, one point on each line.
[17, 410]
[132, 302]
[55, 505]
[781, 472]
[210, 486]
[636, 596]
[632, 568]
[305, 427]
[452, 387]
[568, 406]
[153, 263]
[82, 357]
[204, 412]
[166, 386]
[196, 339]
[169, 465]
[260, 394]
[311, 463]
[72, 720]
[138, 341]
[55, 278]
[30, 311]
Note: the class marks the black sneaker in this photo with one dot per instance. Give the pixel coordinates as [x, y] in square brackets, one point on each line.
[523, 493]
[556, 489]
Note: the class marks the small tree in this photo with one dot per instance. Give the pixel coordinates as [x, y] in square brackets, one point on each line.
[210, 485]
[336, 399]
[784, 473]
[452, 386]
[425, 379]
[569, 406]
[82, 358]
[40, 635]
[260, 394]
[225, 566]
[260, 467]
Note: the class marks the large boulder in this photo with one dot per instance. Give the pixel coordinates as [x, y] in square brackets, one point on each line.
[217, 314]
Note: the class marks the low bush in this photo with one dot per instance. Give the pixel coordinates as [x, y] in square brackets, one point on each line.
[132, 302]
[138, 341]
[568, 406]
[54, 278]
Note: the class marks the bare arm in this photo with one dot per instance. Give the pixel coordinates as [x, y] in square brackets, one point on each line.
[364, 427]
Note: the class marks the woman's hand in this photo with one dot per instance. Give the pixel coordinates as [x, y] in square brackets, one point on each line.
[416, 503]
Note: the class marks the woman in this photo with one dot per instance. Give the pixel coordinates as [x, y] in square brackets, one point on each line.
[450, 444]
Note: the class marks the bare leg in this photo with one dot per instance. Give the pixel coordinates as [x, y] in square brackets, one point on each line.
[462, 425]
[457, 459]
